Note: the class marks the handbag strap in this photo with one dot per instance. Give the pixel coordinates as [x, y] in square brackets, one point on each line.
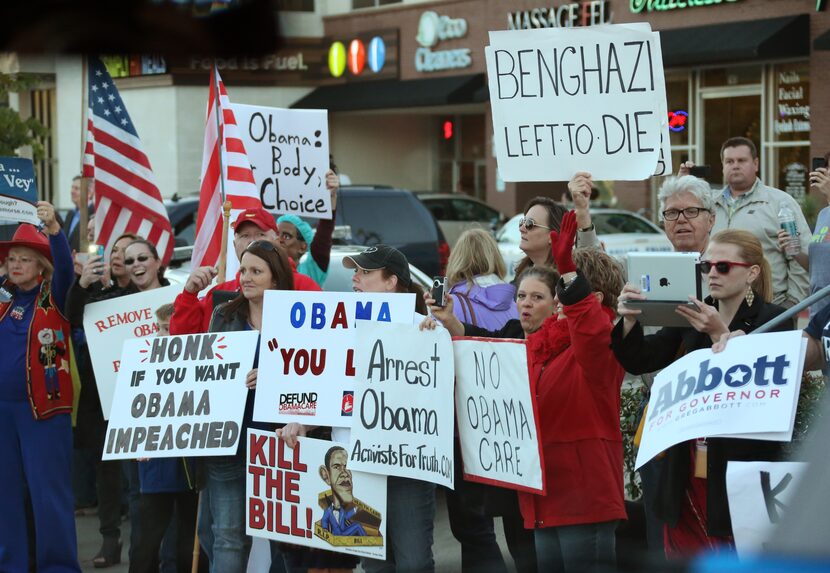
[468, 309]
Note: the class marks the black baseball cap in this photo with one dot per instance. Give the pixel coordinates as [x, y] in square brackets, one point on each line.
[382, 257]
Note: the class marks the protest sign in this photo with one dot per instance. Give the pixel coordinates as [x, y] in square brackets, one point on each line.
[750, 390]
[576, 99]
[497, 418]
[759, 495]
[109, 323]
[310, 496]
[180, 396]
[306, 356]
[289, 152]
[403, 423]
[18, 190]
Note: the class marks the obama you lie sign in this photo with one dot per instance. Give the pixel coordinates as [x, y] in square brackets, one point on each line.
[750, 391]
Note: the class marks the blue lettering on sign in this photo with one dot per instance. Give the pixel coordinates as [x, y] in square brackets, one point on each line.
[319, 318]
[709, 378]
[297, 315]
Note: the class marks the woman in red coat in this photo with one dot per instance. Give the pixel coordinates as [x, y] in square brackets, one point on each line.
[577, 380]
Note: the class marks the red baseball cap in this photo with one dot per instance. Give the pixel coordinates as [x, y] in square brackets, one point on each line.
[259, 217]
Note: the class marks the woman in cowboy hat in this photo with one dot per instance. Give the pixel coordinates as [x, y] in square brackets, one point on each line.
[36, 398]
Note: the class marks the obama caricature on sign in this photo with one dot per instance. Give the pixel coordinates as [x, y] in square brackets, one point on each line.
[337, 517]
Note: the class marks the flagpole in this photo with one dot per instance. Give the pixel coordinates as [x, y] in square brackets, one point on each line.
[84, 181]
[226, 205]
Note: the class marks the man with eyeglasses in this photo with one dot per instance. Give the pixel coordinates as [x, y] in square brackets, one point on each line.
[192, 315]
[298, 238]
[746, 203]
[688, 213]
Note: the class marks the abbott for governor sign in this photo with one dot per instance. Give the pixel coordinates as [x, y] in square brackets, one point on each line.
[576, 99]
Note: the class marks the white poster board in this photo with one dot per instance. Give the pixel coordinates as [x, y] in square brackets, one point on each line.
[289, 152]
[496, 414]
[403, 422]
[759, 495]
[306, 359]
[110, 323]
[750, 391]
[180, 396]
[310, 496]
[576, 99]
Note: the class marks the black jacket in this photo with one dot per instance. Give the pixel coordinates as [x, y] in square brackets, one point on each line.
[640, 354]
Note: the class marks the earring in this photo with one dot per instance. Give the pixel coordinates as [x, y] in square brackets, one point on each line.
[750, 295]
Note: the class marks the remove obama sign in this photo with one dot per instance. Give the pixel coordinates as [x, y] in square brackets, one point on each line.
[577, 99]
[108, 324]
[748, 391]
[496, 414]
[310, 496]
[180, 396]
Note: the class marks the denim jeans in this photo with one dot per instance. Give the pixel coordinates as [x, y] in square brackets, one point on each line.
[577, 548]
[225, 490]
[410, 511]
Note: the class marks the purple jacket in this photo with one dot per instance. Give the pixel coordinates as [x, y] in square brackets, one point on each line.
[492, 300]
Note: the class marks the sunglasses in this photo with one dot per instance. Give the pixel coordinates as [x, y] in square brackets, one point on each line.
[529, 223]
[723, 267]
[264, 245]
[139, 258]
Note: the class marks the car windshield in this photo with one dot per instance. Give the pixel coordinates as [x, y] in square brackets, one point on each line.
[376, 220]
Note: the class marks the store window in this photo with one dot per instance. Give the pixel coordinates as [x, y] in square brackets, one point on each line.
[461, 155]
[372, 3]
[789, 128]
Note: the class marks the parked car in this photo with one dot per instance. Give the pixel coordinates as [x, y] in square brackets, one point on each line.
[378, 214]
[619, 231]
[339, 278]
[456, 212]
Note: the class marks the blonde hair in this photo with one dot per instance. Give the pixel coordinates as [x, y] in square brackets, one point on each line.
[603, 271]
[751, 251]
[476, 253]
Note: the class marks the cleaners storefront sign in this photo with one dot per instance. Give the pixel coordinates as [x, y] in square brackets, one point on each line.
[638, 6]
[433, 29]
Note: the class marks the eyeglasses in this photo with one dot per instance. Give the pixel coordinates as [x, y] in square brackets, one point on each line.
[723, 267]
[287, 236]
[688, 212]
[139, 258]
[529, 223]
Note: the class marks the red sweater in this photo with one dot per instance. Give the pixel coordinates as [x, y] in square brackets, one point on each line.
[577, 380]
[192, 316]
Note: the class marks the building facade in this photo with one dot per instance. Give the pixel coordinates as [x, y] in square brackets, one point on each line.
[405, 86]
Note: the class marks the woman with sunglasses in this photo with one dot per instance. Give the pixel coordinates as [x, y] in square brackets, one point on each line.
[91, 427]
[543, 215]
[691, 496]
[262, 266]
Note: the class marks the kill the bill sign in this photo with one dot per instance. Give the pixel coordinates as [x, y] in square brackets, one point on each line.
[309, 496]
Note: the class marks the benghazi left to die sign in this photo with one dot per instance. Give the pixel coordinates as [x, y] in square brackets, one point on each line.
[309, 496]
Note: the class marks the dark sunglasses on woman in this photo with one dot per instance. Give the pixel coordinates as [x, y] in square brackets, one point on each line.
[530, 223]
[722, 267]
[139, 258]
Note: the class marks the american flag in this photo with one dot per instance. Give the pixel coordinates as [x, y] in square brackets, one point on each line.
[127, 199]
[239, 186]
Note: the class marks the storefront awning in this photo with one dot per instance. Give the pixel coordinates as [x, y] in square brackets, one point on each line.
[386, 94]
[822, 42]
[785, 37]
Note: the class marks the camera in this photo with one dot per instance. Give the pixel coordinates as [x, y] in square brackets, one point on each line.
[439, 291]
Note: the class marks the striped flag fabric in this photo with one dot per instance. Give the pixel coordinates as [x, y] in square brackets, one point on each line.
[127, 199]
[239, 186]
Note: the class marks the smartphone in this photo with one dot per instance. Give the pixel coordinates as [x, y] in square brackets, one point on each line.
[819, 162]
[439, 291]
[92, 249]
[702, 171]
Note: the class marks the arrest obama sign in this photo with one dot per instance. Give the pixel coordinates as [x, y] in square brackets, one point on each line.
[748, 391]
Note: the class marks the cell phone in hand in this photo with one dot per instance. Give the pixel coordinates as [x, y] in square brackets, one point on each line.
[819, 162]
[439, 291]
[702, 171]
